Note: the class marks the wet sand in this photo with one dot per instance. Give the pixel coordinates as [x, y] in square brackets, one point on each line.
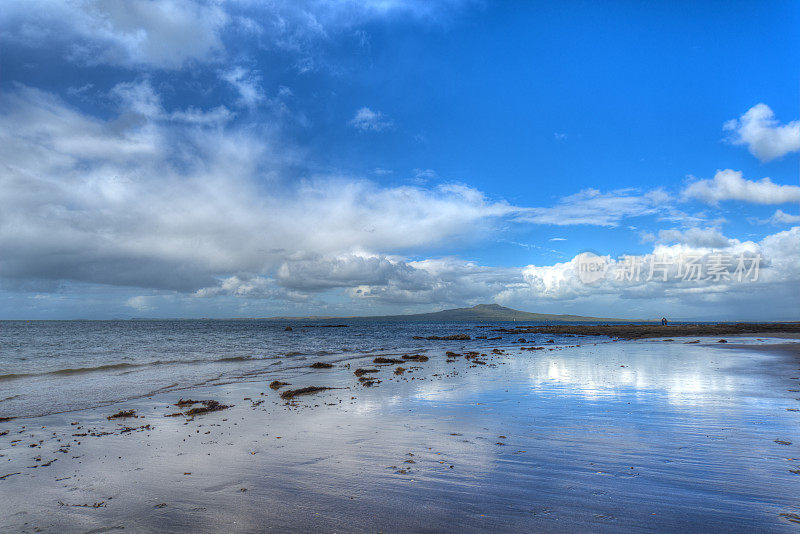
[608, 436]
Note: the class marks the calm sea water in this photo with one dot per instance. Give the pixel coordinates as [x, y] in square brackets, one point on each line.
[55, 366]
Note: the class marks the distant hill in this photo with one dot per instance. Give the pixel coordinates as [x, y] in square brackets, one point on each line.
[479, 313]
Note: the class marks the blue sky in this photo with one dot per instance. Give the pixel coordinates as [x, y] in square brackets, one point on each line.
[224, 159]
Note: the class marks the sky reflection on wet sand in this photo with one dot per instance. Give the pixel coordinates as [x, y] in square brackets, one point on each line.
[636, 435]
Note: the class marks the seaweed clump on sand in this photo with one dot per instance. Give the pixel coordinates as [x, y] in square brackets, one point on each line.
[207, 407]
[321, 365]
[310, 390]
[122, 414]
[400, 370]
[277, 384]
[361, 372]
[381, 359]
[188, 402]
[415, 358]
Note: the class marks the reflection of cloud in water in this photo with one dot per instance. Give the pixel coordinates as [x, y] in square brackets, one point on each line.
[683, 375]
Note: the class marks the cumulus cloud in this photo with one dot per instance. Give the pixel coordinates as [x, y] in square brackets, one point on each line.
[440, 281]
[252, 287]
[643, 284]
[592, 207]
[663, 274]
[731, 185]
[764, 136]
[376, 279]
[318, 273]
[367, 120]
[137, 200]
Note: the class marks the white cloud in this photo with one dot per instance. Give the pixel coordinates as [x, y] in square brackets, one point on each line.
[247, 84]
[319, 273]
[695, 237]
[781, 217]
[140, 303]
[769, 295]
[139, 99]
[440, 281]
[169, 34]
[140, 200]
[592, 207]
[375, 279]
[731, 185]
[164, 34]
[179, 200]
[367, 120]
[764, 136]
[252, 287]
[299, 25]
[423, 175]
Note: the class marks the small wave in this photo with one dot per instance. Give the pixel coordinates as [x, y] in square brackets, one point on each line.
[80, 370]
[12, 376]
[128, 366]
[234, 359]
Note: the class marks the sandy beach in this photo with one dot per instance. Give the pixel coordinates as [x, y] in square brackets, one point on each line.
[594, 436]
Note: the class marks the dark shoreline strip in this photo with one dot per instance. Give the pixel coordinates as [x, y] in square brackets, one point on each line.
[634, 331]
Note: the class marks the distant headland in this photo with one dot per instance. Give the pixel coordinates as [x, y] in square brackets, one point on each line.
[481, 312]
